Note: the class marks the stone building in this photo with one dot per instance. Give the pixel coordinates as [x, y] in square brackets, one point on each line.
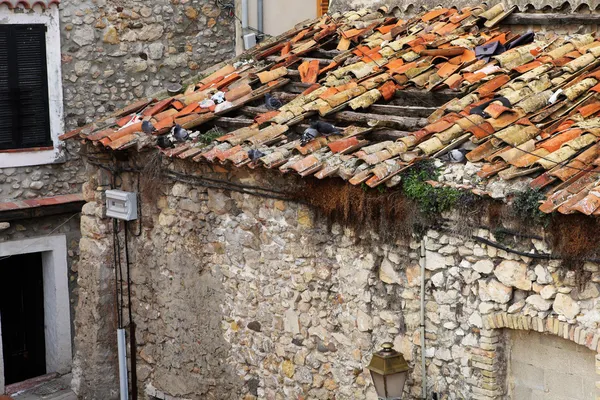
[254, 271]
[270, 262]
[94, 57]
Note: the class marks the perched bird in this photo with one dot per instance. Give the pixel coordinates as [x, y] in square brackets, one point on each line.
[325, 128]
[180, 134]
[308, 135]
[148, 128]
[255, 154]
[164, 142]
[455, 156]
[272, 103]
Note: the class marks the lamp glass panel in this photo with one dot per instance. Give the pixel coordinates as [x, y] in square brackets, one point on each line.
[395, 385]
[379, 383]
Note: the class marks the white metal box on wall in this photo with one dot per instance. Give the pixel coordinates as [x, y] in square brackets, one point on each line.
[121, 205]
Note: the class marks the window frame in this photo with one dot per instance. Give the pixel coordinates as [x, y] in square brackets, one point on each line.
[52, 154]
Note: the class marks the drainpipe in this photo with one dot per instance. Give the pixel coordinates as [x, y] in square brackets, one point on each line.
[260, 16]
[245, 16]
[423, 367]
[123, 384]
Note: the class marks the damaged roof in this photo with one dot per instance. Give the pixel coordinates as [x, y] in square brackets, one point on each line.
[518, 107]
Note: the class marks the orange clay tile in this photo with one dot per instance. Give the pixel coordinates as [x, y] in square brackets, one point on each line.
[420, 135]
[100, 135]
[178, 105]
[433, 14]
[559, 62]
[447, 69]
[495, 110]
[311, 89]
[194, 151]
[299, 36]
[188, 110]
[388, 90]
[596, 88]
[228, 81]
[351, 33]
[343, 144]
[588, 204]
[573, 54]
[446, 29]
[70, 134]
[454, 81]
[392, 65]
[123, 121]
[286, 49]
[137, 127]
[528, 67]
[262, 118]
[164, 123]
[205, 86]
[117, 144]
[482, 130]
[328, 93]
[167, 113]
[158, 107]
[404, 68]
[493, 85]
[385, 29]
[228, 153]
[186, 119]
[309, 71]
[472, 78]
[590, 109]
[542, 181]
[555, 142]
[455, 19]
[332, 65]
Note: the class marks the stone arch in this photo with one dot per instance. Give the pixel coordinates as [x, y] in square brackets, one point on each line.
[486, 358]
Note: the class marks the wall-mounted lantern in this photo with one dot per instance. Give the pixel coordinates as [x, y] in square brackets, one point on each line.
[389, 371]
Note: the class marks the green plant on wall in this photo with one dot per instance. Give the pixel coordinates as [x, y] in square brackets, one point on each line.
[526, 205]
[432, 201]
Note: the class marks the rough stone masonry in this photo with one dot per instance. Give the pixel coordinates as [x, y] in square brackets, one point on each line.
[240, 296]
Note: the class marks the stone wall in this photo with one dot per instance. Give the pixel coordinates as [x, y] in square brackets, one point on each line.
[240, 296]
[114, 52]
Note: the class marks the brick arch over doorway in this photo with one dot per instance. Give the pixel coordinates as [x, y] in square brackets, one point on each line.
[488, 359]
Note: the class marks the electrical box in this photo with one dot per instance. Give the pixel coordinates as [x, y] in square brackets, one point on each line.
[121, 205]
[249, 40]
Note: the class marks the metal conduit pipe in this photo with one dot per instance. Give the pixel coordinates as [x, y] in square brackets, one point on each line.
[423, 366]
[260, 15]
[245, 16]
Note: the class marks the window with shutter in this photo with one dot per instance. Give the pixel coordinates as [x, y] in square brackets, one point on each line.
[322, 7]
[24, 108]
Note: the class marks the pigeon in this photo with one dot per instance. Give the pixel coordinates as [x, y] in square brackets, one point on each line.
[272, 103]
[325, 128]
[148, 128]
[455, 156]
[255, 154]
[180, 134]
[308, 135]
[165, 142]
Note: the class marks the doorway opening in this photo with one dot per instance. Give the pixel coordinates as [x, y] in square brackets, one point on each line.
[22, 317]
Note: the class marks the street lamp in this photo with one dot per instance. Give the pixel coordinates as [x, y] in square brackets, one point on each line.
[389, 371]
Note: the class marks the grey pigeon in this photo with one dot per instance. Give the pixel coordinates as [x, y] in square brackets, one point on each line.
[325, 128]
[164, 142]
[308, 135]
[148, 128]
[455, 156]
[272, 103]
[180, 134]
[255, 154]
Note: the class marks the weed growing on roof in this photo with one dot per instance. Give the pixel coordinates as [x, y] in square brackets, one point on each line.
[210, 135]
[432, 201]
[527, 206]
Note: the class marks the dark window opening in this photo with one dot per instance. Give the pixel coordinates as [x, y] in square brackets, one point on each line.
[22, 317]
[24, 107]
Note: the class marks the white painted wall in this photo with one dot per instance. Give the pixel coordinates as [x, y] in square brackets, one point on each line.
[50, 18]
[57, 313]
[282, 15]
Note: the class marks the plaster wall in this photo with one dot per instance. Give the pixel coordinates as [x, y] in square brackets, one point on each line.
[239, 296]
[281, 15]
[546, 367]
